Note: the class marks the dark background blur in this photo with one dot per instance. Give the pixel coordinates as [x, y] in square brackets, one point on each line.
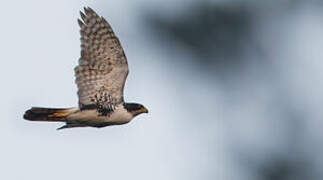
[234, 90]
[259, 55]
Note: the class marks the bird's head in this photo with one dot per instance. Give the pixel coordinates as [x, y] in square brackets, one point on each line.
[135, 109]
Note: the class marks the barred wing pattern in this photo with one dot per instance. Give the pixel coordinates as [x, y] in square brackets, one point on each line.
[103, 68]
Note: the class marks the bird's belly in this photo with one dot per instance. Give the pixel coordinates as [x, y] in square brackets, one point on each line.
[93, 117]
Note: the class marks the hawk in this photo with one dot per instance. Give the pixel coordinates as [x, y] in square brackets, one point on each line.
[100, 77]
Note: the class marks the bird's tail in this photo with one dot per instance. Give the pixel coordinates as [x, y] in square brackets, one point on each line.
[48, 114]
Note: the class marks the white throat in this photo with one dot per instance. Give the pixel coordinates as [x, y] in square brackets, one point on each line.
[120, 114]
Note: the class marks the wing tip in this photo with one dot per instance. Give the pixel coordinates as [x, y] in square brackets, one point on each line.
[80, 22]
[83, 16]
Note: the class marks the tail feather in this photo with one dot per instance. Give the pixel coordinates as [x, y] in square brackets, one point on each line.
[48, 114]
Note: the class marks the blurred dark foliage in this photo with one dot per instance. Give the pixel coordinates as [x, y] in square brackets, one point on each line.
[208, 31]
[283, 169]
[216, 34]
[291, 161]
[219, 36]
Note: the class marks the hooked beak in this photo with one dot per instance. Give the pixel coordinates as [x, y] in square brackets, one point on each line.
[143, 110]
[139, 111]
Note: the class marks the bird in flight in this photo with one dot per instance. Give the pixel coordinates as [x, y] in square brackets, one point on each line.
[100, 78]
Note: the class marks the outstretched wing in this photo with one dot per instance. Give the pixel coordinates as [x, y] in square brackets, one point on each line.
[103, 68]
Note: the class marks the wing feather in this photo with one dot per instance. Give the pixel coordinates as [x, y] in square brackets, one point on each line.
[103, 68]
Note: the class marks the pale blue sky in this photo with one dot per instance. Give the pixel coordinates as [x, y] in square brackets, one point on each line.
[40, 42]
[193, 125]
